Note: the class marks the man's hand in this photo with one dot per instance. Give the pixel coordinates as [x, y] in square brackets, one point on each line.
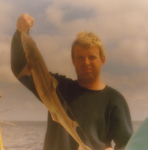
[24, 22]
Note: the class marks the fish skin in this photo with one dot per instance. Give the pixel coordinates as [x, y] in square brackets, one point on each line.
[46, 87]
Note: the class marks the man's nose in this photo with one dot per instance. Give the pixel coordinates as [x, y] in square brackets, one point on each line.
[86, 61]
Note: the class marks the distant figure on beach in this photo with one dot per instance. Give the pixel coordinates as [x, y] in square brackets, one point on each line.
[101, 111]
[139, 140]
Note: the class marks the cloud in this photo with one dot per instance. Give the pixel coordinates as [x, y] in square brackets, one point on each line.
[5, 69]
[124, 82]
[56, 56]
[6, 9]
[130, 52]
[71, 16]
[121, 25]
[18, 103]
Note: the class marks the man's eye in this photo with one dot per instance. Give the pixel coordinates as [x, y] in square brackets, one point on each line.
[92, 57]
[80, 58]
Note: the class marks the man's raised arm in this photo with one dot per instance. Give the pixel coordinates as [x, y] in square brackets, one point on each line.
[18, 58]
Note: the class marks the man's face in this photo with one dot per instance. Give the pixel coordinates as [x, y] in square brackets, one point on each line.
[87, 63]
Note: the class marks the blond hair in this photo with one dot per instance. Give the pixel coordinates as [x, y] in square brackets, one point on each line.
[87, 40]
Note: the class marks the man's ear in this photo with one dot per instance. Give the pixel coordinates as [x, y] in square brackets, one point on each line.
[103, 60]
[73, 61]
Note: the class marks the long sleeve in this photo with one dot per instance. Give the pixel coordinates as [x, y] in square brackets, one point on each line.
[18, 62]
[121, 122]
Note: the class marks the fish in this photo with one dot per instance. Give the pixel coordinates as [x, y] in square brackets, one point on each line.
[46, 86]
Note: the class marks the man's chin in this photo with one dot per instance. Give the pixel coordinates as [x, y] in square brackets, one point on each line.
[86, 79]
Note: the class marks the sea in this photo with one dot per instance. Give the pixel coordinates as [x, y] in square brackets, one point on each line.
[23, 135]
[28, 135]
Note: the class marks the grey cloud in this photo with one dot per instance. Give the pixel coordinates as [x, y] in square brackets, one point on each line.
[73, 13]
[131, 53]
[121, 25]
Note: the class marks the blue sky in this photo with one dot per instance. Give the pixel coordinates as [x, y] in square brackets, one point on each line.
[122, 27]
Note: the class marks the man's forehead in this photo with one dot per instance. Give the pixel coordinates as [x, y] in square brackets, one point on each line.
[86, 51]
[85, 47]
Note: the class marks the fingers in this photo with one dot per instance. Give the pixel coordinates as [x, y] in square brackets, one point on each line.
[24, 22]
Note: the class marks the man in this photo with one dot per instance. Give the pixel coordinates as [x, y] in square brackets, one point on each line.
[101, 111]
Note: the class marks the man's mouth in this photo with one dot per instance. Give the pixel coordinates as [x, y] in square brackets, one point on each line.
[87, 69]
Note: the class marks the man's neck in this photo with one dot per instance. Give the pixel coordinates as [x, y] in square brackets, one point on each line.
[92, 85]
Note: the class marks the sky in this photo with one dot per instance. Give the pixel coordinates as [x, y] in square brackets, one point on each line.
[122, 27]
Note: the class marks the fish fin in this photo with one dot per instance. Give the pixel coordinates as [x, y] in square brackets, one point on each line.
[54, 117]
[54, 83]
[25, 72]
[75, 124]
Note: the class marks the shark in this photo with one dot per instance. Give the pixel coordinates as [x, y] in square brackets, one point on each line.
[46, 86]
